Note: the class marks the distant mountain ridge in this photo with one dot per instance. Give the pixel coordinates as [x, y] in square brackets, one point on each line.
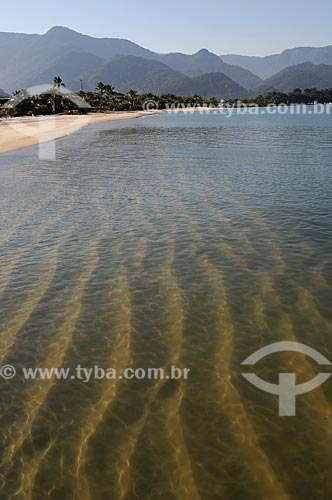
[203, 62]
[34, 54]
[143, 75]
[267, 66]
[27, 58]
[302, 76]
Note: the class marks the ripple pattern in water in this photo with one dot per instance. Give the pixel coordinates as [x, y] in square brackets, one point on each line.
[190, 241]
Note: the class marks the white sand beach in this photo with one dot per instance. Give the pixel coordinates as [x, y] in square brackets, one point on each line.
[17, 133]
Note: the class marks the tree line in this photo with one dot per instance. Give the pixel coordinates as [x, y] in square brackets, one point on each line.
[297, 96]
[106, 99]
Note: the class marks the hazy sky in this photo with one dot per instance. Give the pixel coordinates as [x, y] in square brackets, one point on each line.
[255, 27]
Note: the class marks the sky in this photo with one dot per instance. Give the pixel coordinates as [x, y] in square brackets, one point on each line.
[252, 27]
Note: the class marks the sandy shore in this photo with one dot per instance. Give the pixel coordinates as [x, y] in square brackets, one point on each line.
[17, 133]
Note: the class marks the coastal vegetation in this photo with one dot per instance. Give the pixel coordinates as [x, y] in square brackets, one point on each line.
[106, 99]
[297, 96]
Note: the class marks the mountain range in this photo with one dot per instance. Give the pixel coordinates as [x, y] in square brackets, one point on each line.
[267, 66]
[27, 59]
[31, 59]
[303, 76]
[132, 72]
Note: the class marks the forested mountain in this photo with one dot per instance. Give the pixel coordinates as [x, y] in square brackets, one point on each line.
[144, 75]
[302, 76]
[204, 62]
[27, 60]
[267, 66]
[81, 60]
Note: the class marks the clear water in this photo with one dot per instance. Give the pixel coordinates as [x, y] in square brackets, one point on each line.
[185, 240]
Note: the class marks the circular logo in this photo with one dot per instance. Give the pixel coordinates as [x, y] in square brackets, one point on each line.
[7, 372]
[150, 105]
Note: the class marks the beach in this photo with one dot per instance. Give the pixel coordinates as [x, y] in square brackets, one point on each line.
[17, 133]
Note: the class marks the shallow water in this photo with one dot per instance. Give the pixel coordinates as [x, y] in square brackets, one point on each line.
[170, 240]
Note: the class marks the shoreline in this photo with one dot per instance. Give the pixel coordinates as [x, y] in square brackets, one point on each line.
[22, 132]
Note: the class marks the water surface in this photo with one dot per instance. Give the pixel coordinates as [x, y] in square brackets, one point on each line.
[185, 240]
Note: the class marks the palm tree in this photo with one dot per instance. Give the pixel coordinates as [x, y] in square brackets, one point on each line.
[149, 96]
[109, 90]
[132, 94]
[57, 84]
[101, 88]
[197, 99]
